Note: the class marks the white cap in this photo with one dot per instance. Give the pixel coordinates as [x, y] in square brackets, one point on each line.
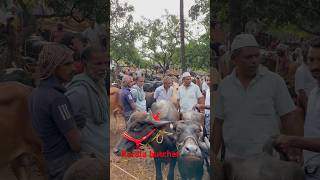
[186, 74]
[243, 40]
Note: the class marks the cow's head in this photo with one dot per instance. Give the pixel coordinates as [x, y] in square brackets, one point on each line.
[188, 136]
[139, 127]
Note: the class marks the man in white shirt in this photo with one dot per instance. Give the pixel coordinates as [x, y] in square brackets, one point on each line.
[94, 33]
[252, 102]
[311, 142]
[204, 85]
[189, 94]
[304, 83]
[206, 108]
[165, 91]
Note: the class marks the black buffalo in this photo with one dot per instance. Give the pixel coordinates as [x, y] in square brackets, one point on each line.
[192, 145]
[139, 126]
[264, 166]
[151, 86]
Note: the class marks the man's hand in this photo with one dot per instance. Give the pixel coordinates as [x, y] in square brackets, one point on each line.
[283, 142]
[286, 143]
[196, 107]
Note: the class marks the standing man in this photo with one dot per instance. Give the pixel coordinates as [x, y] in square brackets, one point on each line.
[165, 91]
[304, 83]
[251, 103]
[52, 117]
[139, 94]
[311, 142]
[206, 107]
[189, 94]
[126, 98]
[88, 98]
[94, 33]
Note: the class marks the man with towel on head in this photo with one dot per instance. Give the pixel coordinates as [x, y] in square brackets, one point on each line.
[253, 104]
[52, 117]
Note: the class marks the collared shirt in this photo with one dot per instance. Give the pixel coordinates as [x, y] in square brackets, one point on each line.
[204, 86]
[188, 96]
[52, 117]
[207, 101]
[304, 79]
[162, 94]
[312, 124]
[126, 99]
[251, 115]
[140, 98]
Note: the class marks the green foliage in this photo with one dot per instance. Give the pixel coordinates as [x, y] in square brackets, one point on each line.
[303, 14]
[161, 40]
[201, 7]
[153, 42]
[123, 34]
[198, 53]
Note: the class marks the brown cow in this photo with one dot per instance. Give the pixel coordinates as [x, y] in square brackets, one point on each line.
[18, 140]
[116, 110]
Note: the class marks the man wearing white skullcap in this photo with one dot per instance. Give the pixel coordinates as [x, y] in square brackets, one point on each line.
[252, 102]
[189, 94]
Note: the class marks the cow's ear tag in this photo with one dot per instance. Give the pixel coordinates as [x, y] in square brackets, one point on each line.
[171, 126]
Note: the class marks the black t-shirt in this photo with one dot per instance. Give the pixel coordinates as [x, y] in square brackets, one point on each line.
[52, 117]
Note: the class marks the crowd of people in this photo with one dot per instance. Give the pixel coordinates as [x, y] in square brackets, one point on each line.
[192, 93]
[69, 104]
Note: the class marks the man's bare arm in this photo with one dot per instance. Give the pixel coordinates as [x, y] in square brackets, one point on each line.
[292, 125]
[73, 138]
[217, 136]
[311, 144]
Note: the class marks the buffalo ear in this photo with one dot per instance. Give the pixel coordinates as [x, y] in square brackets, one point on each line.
[116, 112]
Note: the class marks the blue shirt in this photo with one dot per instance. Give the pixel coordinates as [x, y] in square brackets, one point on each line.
[161, 94]
[126, 98]
[51, 117]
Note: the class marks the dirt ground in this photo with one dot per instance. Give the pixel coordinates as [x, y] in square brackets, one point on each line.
[134, 168]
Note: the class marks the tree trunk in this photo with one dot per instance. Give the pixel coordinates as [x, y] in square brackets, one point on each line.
[235, 18]
[182, 51]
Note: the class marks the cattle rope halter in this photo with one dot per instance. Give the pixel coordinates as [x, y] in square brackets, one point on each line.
[138, 142]
[180, 145]
[158, 137]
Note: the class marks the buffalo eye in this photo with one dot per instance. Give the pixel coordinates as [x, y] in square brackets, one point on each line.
[136, 128]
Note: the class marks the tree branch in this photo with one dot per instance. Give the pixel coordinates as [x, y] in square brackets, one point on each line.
[300, 26]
